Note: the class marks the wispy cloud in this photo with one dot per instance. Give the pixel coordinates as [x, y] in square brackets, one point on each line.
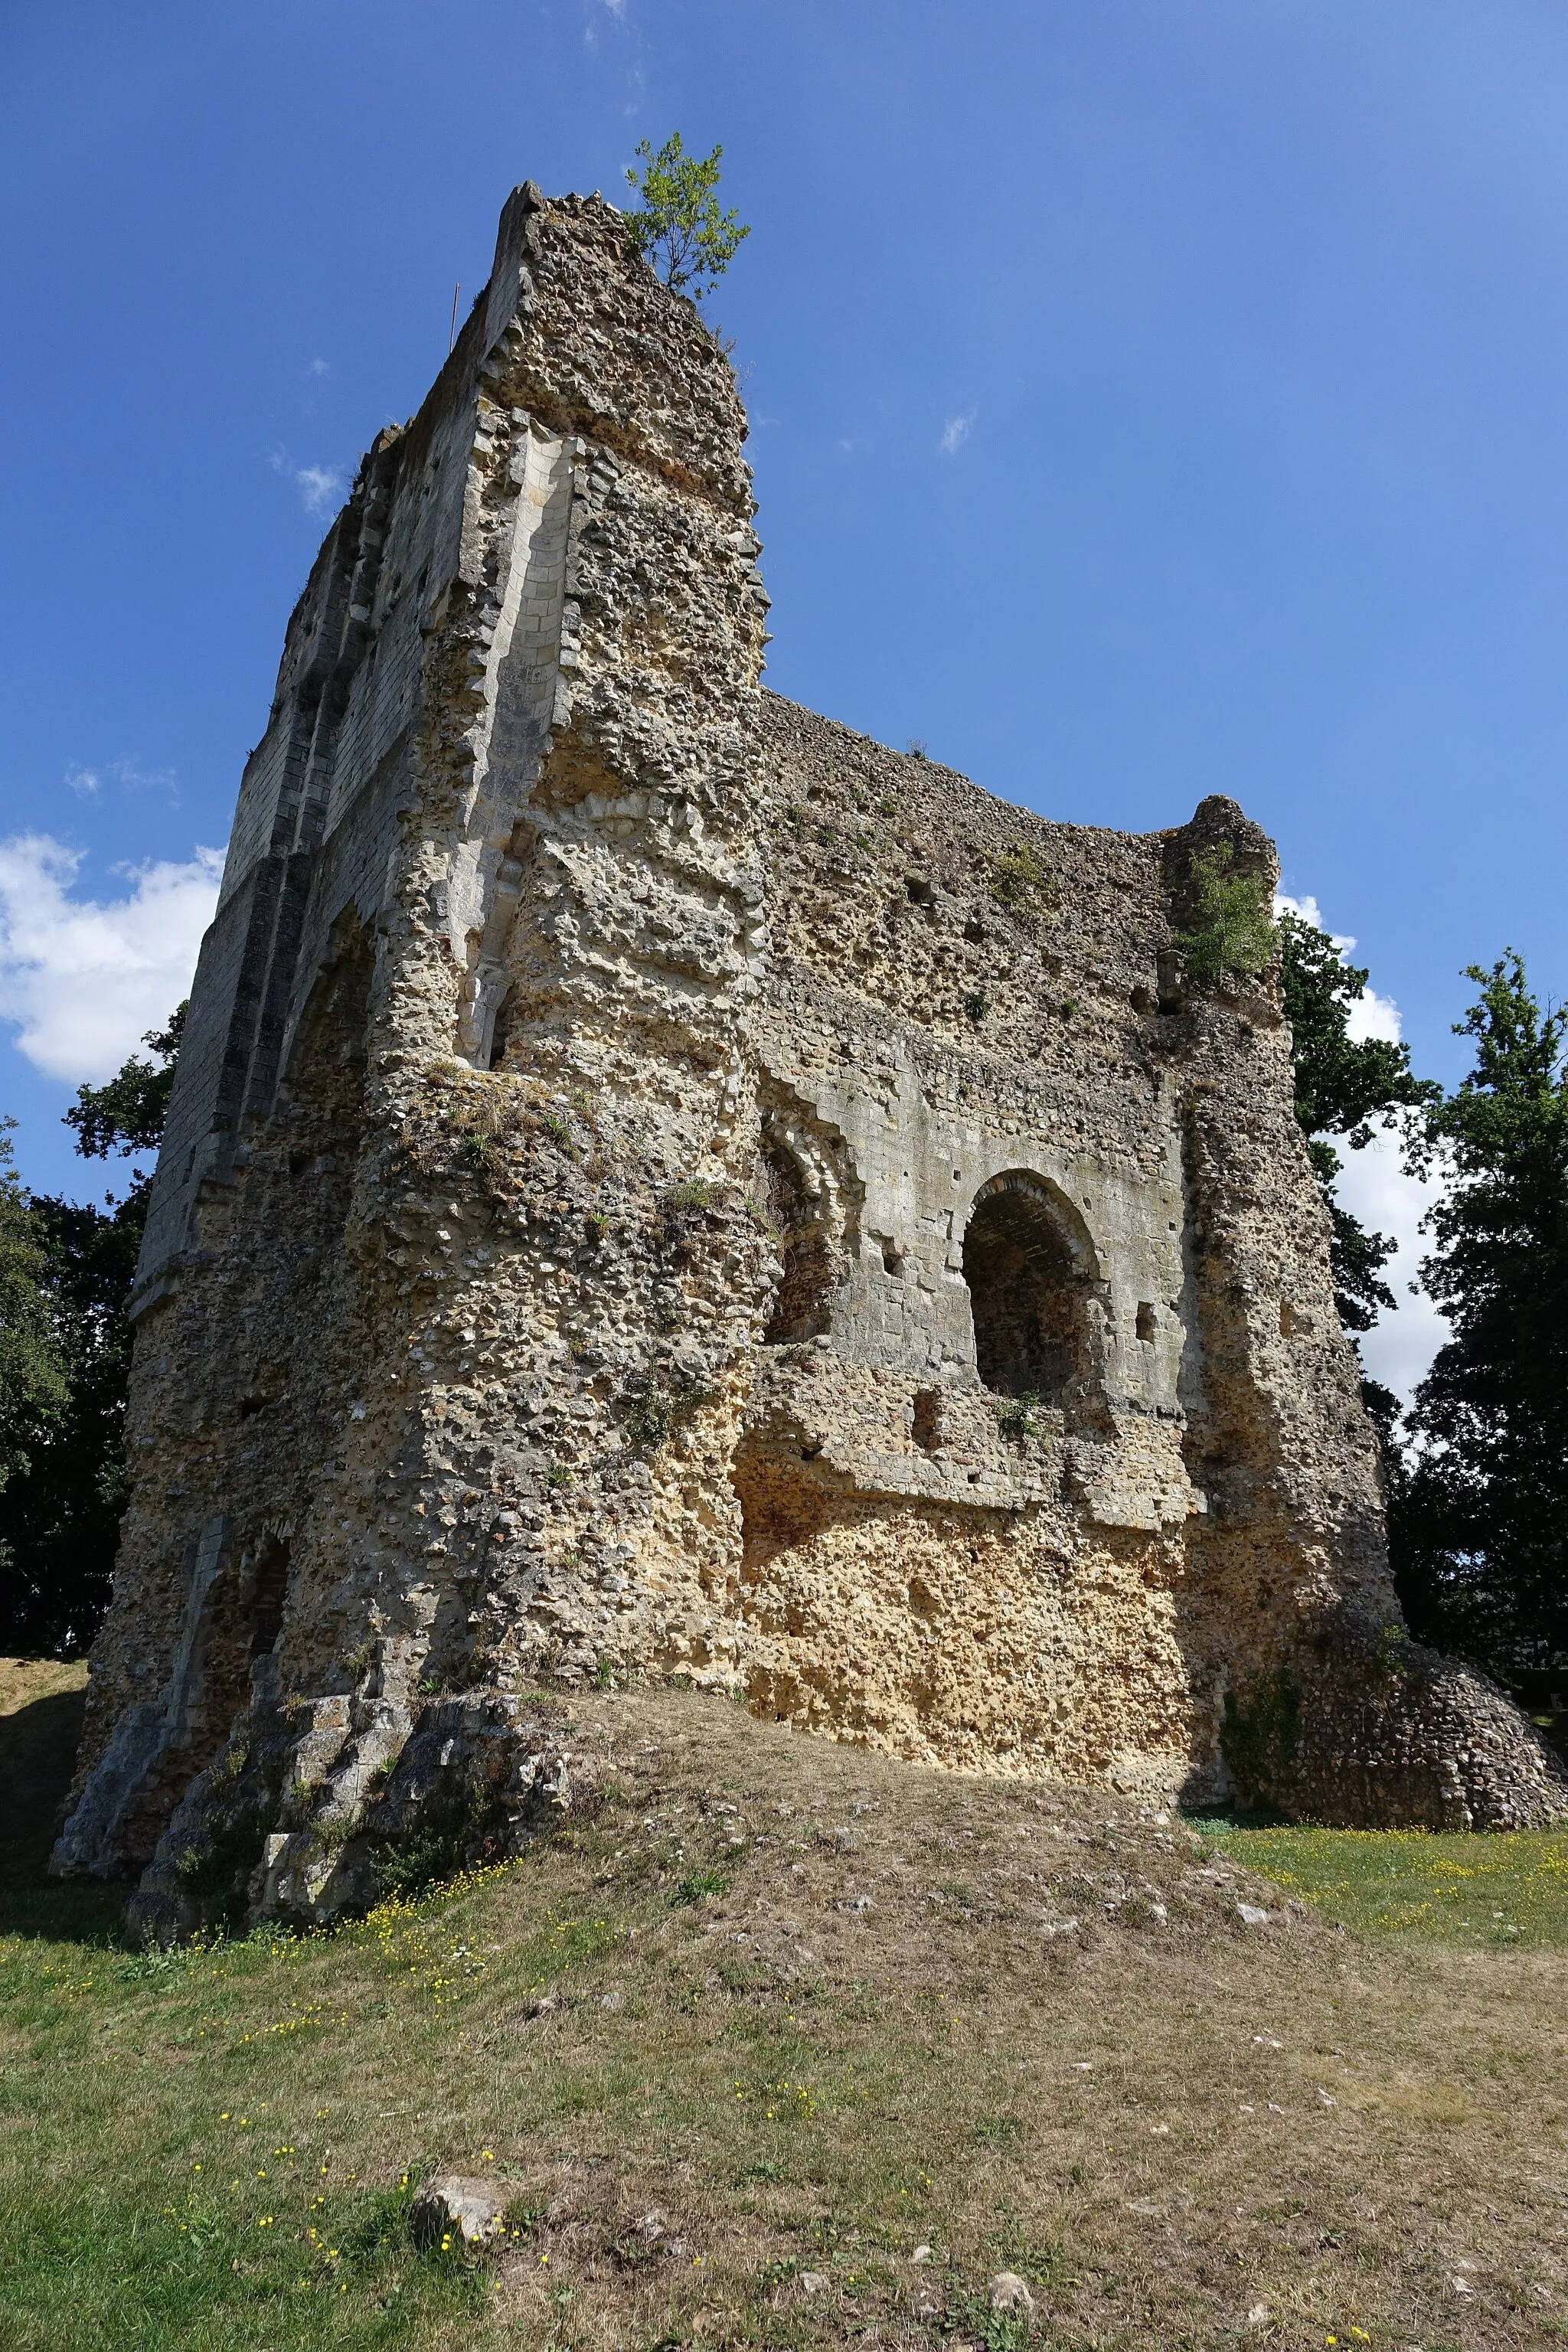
[320, 488]
[955, 433]
[615, 10]
[84, 979]
[1373, 1185]
[87, 782]
[319, 368]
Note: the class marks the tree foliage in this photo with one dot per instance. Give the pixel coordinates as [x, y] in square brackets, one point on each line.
[62, 1452]
[1345, 1087]
[1481, 1515]
[127, 1114]
[32, 1369]
[679, 227]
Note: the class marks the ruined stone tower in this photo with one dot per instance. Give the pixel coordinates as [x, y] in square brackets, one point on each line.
[659, 1183]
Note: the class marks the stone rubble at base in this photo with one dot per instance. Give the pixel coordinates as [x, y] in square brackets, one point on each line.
[660, 1184]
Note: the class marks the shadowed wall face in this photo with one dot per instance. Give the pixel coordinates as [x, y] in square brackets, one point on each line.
[1027, 1317]
[806, 1245]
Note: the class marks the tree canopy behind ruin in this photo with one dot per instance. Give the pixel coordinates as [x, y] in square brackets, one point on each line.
[68, 1268]
[1479, 1518]
[1346, 1088]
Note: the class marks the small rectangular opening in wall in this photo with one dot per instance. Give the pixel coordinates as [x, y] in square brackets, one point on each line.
[928, 1407]
[1146, 1323]
[268, 1595]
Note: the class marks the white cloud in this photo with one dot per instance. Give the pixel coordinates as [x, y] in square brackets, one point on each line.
[1374, 1187]
[1371, 1015]
[320, 488]
[83, 978]
[1374, 1016]
[87, 782]
[319, 368]
[955, 433]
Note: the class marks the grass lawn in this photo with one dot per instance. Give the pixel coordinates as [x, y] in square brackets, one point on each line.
[1486, 1893]
[767, 2019]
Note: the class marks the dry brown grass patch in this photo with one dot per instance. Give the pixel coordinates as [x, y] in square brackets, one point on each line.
[785, 2010]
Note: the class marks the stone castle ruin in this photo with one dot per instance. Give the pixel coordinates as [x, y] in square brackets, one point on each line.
[659, 1184]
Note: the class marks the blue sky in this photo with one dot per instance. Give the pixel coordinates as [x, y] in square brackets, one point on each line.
[1150, 398]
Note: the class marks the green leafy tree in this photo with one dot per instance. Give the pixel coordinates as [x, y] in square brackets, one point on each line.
[62, 1505]
[1481, 1520]
[32, 1369]
[680, 228]
[1345, 1087]
[126, 1115]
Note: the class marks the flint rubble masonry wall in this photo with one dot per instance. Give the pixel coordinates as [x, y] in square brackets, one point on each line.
[614, 1102]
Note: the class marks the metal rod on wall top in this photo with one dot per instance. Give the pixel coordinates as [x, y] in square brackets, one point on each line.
[452, 338]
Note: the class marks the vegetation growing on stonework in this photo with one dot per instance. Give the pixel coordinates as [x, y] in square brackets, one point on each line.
[1018, 1417]
[651, 1415]
[679, 227]
[476, 1122]
[1234, 932]
[66, 1272]
[1021, 881]
[689, 1192]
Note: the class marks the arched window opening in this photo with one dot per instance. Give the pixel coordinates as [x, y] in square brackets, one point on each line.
[1030, 1337]
[268, 1594]
[811, 1260]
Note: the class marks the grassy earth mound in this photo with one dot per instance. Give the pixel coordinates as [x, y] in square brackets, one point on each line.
[786, 2044]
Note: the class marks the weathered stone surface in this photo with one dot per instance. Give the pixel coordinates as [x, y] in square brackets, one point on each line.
[1009, 2292]
[261, 1834]
[659, 1183]
[453, 2206]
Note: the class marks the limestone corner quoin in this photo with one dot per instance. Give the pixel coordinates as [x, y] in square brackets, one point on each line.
[657, 1184]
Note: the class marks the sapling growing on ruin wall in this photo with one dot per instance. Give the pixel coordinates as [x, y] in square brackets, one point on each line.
[1233, 933]
[680, 228]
